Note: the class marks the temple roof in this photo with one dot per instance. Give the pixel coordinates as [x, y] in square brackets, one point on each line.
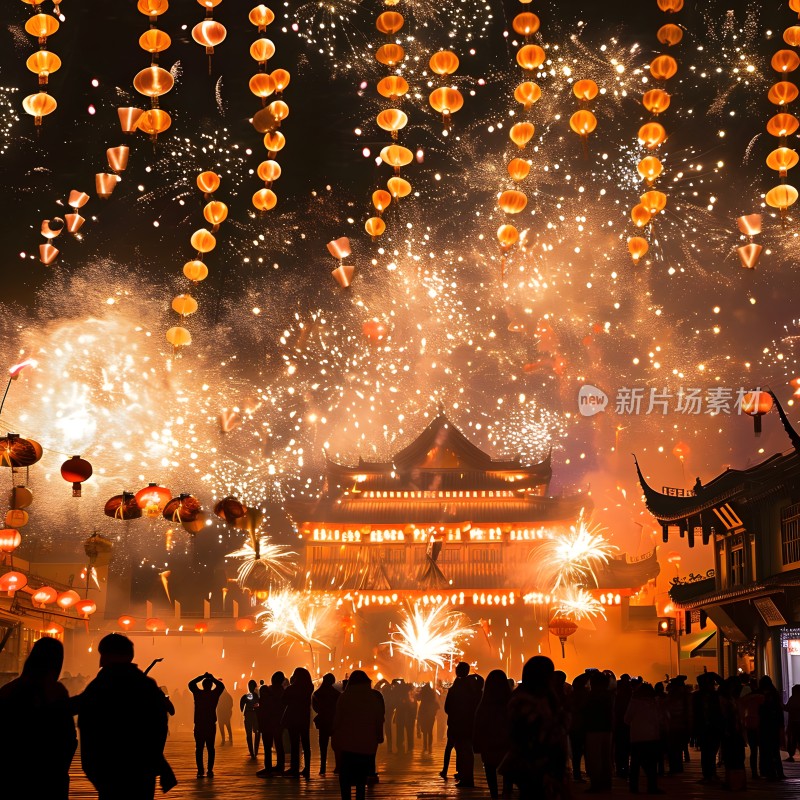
[746, 485]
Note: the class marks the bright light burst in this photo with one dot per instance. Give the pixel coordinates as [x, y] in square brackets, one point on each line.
[570, 559]
[290, 617]
[263, 563]
[430, 635]
[578, 604]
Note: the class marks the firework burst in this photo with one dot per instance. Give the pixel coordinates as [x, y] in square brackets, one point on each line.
[263, 563]
[578, 604]
[290, 617]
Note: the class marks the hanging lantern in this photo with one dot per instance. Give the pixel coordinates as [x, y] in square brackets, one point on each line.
[563, 628]
[129, 118]
[74, 222]
[154, 625]
[245, 625]
[123, 506]
[86, 608]
[749, 254]
[398, 187]
[261, 16]
[230, 509]
[20, 497]
[44, 596]
[105, 183]
[392, 87]
[446, 101]
[512, 201]
[126, 622]
[749, 224]
[443, 63]
[274, 141]
[640, 216]
[389, 22]
[54, 630]
[507, 236]
[518, 169]
[10, 540]
[184, 508]
[756, 404]
[526, 24]
[656, 101]
[265, 200]
[11, 582]
[785, 61]
[76, 470]
[216, 212]
[16, 518]
[637, 247]
[48, 254]
[343, 275]
[39, 105]
[18, 452]
[179, 338]
[783, 125]
[374, 330]
[152, 499]
[669, 34]
[650, 168]
[585, 89]
[662, 68]
[209, 33]
[655, 202]
[184, 304]
[201, 628]
[44, 64]
[530, 57]
[392, 120]
[521, 133]
[390, 55]
[203, 241]
[783, 93]
[281, 78]
[195, 271]
[652, 134]
[339, 248]
[527, 93]
[208, 182]
[68, 599]
[154, 121]
[375, 227]
[118, 157]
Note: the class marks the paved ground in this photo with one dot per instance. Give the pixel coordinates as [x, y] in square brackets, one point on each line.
[413, 776]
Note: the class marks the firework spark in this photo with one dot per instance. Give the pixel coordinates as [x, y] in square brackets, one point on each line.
[263, 563]
[290, 617]
[430, 635]
[578, 604]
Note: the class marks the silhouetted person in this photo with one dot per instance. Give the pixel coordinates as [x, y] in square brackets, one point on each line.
[707, 724]
[733, 738]
[426, 715]
[123, 726]
[323, 702]
[748, 708]
[679, 721]
[357, 732]
[297, 720]
[389, 694]
[206, 690]
[621, 731]
[37, 729]
[491, 728]
[537, 757]
[405, 716]
[599, 720]
[270, 713]
[792, 709]
[224, 715]
[460, 706]
[577, 724]
[248, 705]
[770, 728]
[644, 717]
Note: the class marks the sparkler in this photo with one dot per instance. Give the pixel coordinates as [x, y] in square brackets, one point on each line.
[263, 563]
[577, 604]
[431, 635]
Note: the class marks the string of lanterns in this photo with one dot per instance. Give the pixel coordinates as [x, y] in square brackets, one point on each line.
[392, 120]
[445, 100]
[513, 201]
[784, 124]
[209, 33]
[42, 63]
[203, 241]
[268, 119]
[340, 250]
[583, 122]
[653, 134]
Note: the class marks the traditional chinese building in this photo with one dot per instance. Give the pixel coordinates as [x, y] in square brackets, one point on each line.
[442, 519]
[751, 519]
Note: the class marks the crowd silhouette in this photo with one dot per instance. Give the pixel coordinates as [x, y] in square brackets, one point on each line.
[535, 739]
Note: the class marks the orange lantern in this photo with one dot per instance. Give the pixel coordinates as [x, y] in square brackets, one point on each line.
[129, 118]
[179, 338]
[526, 24]
[585, 90]
[281, 78]
[152, 499]
[208, 182]
[39, 105]
[184, 304]
[398, 187]
[782, 160]
[53, 629]
[265, 199]
[269, 171]
[16, 518]
[649, 168]
[154, 121]
[153, 81]
[530, 57]
[41, 26]
[44, 64]
[261, 16]
[245, 625]
[126, 622]
[637, 247]
[392, 120]
[68, 599]
[118, 157]
[154, 41]
[48, 254]
[583, 122]
[44, 596]
[662, 68]
[396, 156]
[389, 22]
[86, 608]
[512, 201]
[669, 34]
[74, 222]
[640, 216]
[262, 85]
[17, 452]
[446, 101]
[339, 248]
[527, 93]
[11, 582]
[274, 141]
[670, 6]
[652, 134]
[152, 8]
[783, 93]
[792, 36]
[154, 624]
[750, 224]
[374, 330]
[201, 628]
[521, 133]
[782, 125]
[262, 50]
[279, 110]
[507, 236]
[781, 197]
[749, 255]
[390, 55]
[209, 33]
[656, 101]
[122, 506]
[392, 86]
[518, 169]
[375, 226]
[343, 275]
[562, 627]
[444, 62]
[654, 201]
[10, 540]
[104, 184]
[77, 199]
[195, 271]
[216, 212]
[76, 470]
[230, 509]
[184, 508]
[381, 199]
[756, 404]
[203, 241]
[785, 61]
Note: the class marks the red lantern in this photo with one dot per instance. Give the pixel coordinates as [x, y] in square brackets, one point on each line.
[152, 499]
[563, 628]
[184, 508]
[16, 518]
[11, 582]
[86, 607]
[154, 624]
[245, 625]
[201, 628]
[18, 452]
[681, 451]
[756, 404]
[76, 470]
[374, 330]
[10, 540]
[43, 596]
[230, 509]
[126, 622]
[68, 599]
[53, 630]
[123, 506]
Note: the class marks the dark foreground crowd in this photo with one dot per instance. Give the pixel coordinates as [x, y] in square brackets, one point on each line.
[536, 737]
